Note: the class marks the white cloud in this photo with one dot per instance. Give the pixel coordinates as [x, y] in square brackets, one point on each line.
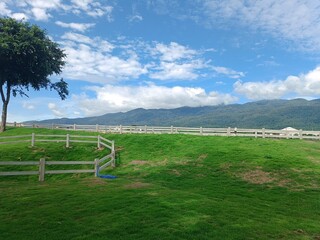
[135, 18]
[19, 16]
[176, 71]
[81, 27]
[173, 52]
[57, 112]
[92, 8]
[28, 106]
[303, 85]
[123, 98]
[98, 60]
[176, 62]
[90, 59]
[294, 20]
[40, 14]
[229, 72]
[4, 10]
[41, 9]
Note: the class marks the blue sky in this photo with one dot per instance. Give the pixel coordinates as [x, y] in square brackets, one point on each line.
[127, 54]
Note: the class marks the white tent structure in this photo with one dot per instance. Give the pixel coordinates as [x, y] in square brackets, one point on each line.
[290, 131]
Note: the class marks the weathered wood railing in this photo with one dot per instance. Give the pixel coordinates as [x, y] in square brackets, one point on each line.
[99, 164]
[257, 133]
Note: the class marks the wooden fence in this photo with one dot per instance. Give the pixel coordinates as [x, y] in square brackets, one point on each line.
[99, 164]
[241, 132]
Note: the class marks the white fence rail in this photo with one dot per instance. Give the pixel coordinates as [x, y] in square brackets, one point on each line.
[99, 164]
[241, 132]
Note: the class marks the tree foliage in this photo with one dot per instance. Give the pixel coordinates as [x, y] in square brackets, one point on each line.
[28, 57]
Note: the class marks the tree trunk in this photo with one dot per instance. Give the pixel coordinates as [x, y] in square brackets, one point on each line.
[5, 102]
[4, 116]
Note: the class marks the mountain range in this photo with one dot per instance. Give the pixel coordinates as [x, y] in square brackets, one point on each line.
[272, 114]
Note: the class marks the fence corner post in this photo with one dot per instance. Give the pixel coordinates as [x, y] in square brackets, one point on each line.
[113, 151]
[42, 170]
[96, 167]
[32, 139]
[68, 141]
[99, 142]
[113, 164]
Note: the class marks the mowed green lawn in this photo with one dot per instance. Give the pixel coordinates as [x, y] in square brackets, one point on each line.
[167, 187]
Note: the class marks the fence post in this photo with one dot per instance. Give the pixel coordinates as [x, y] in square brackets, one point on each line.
[256, 134]
[32, 139]
[42, 169]
[120, 129]
[201, 131]
[145, 128]
[68, 141]
[263, 132]
[98, 143]
[97, 127]
[74, 127]
[229, 131]
[171, 130]
[96, 167]
[113, 151]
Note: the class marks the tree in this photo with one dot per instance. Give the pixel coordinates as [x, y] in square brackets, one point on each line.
[27, 58]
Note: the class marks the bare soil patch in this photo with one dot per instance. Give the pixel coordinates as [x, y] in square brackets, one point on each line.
[138, 162]
[176, 172]
[119, 148]
[257, 177]
[94, 181]
[314, 160]
[136, 185]
[202, 157]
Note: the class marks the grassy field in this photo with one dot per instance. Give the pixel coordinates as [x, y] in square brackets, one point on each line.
[167, 187]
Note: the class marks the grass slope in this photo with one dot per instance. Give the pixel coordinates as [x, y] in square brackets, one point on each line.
[169, 187]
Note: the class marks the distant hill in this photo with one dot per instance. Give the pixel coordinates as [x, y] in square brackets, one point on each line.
[274, 114]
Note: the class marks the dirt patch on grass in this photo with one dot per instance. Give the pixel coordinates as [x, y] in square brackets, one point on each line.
[175, 172]
[90, 182]
[100, 149]
[225, 166]
[119, 148]
[257, 176]
[202, 157]
[314, 160]
[36, 150]
[138, 162]
[293, 179]
[137, 185]
[158, 163]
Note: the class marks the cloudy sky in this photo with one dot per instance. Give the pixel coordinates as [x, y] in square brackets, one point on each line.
[127, 54]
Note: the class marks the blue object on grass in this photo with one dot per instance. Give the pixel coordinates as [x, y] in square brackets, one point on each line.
[108, 176]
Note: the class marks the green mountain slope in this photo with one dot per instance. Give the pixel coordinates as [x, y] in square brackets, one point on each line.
[275, 114]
